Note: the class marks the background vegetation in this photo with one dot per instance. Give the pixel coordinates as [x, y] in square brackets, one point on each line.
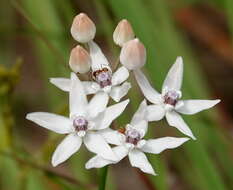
[35, 43]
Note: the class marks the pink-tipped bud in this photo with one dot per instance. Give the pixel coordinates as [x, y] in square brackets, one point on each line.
[83, 29]
[133, 54]
[123, 32]
[80, 60]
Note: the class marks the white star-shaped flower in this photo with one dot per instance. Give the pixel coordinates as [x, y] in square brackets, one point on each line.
[82, 125]
[112, 84]
[168, 103]
[131, 143]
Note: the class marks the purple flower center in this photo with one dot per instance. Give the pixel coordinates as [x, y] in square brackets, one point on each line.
[171, 97]
[132, 136]
[80, 124]
[104, 78]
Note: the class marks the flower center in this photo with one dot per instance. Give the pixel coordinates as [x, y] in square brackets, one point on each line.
[171, 97]
[132, 136]
[80, 124]
[103, 77]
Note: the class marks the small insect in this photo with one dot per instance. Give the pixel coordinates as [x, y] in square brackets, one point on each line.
[97, 72]
[121, 130]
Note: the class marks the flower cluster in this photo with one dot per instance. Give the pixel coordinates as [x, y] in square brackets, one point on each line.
[89, 121]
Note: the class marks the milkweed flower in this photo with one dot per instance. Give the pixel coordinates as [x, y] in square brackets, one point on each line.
[113, 84]
[85, 119]
[131, 143]
[168, 103]
[83, 28]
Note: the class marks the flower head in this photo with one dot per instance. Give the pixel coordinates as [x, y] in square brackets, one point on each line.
[83, 29]
[132, 144]
[113, 84]
[168, 103]
[85, 119]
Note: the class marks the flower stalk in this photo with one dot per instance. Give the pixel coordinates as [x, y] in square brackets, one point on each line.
[103, 172]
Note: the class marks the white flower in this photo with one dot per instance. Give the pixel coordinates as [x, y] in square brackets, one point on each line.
[112, 84]
[168, 103]
[85, 119]
[132, 144]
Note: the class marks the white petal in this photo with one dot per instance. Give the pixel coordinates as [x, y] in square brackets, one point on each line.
[175, 75]
[62, 83]
[99, 162]
[155, 112]
[120, 76]
[155, 146]
[138, 159]
[194, 106]
[140, 113]
[175, 120]
[121, 152]
[111, 136]
[99, 61]
[65, 85]
[111, 113]
[150, 93]
[118, 92]
[96, 143]
[97, 104]
[141, 126]
[90, 87]
[53, 122]
[141, 143]
[66, 148]
[78, 99]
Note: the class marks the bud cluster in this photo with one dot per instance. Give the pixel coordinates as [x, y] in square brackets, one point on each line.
[83, 30]
[133, 52]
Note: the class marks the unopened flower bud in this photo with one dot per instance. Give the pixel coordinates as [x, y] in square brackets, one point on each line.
[80, 60]
[123, 32]
[83, 29]
[133, 54]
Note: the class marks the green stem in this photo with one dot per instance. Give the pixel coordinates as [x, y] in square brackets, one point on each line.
[102, 177]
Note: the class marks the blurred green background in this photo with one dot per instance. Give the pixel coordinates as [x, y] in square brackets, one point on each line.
[35, 43]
